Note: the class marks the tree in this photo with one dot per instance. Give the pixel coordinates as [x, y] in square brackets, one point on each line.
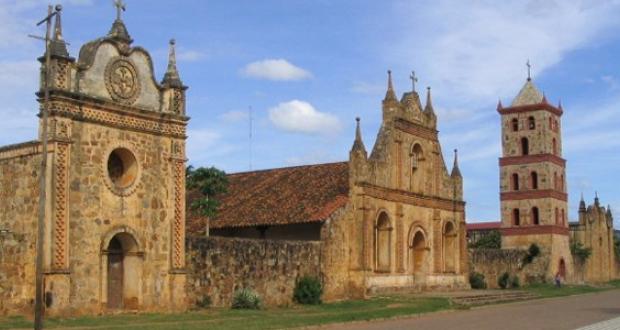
[580, 252]
[492, 240]
[208, 183]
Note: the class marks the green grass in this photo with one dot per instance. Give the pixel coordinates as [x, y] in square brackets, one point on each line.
[550, 290]
[278, 318]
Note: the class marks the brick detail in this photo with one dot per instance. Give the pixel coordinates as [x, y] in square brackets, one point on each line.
[60, 232]
[410, 198]
[416, 129]
[532, 159]
[529, 108]
[534, 230]
[533, 194]
[178, 225]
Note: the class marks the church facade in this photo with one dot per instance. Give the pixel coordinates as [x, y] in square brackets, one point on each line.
[115, 185]
[392, 220]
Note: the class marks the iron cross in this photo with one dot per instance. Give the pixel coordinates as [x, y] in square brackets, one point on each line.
[414, 80]
[529, 69]
[120, 7]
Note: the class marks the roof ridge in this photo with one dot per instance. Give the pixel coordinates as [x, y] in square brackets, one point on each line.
[286, 167]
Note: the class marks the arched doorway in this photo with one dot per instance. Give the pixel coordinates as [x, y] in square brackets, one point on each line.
[449, 248]
[417, 253]
[562, 269]
[124, 272]
[383, 243]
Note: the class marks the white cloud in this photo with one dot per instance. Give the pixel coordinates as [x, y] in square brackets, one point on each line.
[187, 55]
[302, 117]
[478, 49]
[275, 69]
[234, 116]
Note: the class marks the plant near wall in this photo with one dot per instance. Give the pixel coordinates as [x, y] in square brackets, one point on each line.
[532, 252]
[492, 240]
[617, 247]
[515, 283]
[208, 183]
[308, 291]
[579, 252]
[246, 299]
[476, 280]
[503, 280]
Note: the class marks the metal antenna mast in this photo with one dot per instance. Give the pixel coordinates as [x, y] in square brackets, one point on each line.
[38, 301]
[250, 135]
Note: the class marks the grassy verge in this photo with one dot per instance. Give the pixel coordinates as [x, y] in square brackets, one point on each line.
[279, 318]
[550, 290]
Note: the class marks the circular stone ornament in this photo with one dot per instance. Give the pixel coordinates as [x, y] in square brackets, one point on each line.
[121, 80]
[121, 171]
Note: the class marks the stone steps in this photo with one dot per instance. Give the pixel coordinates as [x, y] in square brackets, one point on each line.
[492, 298]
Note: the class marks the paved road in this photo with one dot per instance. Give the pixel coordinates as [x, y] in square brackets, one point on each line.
[548, 314]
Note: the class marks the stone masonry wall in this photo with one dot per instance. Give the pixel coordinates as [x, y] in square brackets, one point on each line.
[492, 263]
[218, 266]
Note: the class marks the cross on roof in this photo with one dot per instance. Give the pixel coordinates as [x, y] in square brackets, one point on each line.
[529, 70]
[414, 80]
[120, 7]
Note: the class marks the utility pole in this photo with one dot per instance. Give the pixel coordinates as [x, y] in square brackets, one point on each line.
[39, 290]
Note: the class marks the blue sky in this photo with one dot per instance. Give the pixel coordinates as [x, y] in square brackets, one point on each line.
[308, 68]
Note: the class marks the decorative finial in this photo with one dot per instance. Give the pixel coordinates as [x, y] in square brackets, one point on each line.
[499, 104]
[390, 95]
[358, 144]
[120, 8]
[429, 103]
[596, 200]
[560, 104]
[456, 172]
[172, 77]
[414, 80]
[544, 99]
[529, 70]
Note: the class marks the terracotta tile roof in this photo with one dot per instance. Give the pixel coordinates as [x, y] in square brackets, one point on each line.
[484, 225]
[279, 196]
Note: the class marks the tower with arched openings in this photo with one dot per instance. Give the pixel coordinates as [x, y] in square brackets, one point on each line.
[533, 201]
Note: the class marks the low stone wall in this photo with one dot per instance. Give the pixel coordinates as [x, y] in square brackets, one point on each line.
[218, 266]
[492, 263]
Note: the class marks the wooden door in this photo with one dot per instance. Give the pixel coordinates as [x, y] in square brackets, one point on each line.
[115, 280]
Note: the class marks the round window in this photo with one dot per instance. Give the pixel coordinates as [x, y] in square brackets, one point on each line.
[122, 168]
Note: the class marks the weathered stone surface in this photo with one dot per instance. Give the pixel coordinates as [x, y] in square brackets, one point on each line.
[492, 263]
[218, 266]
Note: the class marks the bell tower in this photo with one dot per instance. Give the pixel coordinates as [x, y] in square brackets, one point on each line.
[533, 190]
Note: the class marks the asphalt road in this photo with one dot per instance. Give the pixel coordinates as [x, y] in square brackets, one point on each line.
[549, 314]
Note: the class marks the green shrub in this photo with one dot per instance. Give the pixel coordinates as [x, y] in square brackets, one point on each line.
[532, 252]
[580, 252]
[492, 240]
[308, 291]
[246, 299]
[515, 283]
[205, 302]
[476, 280]
[502, 281]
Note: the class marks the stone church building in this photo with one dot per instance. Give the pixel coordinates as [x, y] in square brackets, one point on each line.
[391, 220]
[115, 185]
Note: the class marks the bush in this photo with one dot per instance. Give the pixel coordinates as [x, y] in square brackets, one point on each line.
[532, 252]
[476, 280]
[580, 252]
[246, 299]
[502, 281]
[515, 283]
[205, 302]
[308, 291]
[492, 240]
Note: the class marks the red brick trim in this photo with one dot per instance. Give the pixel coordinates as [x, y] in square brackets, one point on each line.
[533, 194]
[531, 107]
[416, 129]
[529, 159]
[410, 198]
[534, 230]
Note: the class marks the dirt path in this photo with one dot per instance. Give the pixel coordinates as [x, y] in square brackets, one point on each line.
[549, 314]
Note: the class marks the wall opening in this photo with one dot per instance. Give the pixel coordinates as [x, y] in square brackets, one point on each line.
[123, 272]
[383, 243]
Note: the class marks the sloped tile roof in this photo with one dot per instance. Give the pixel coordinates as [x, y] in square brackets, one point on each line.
[280, 196]
[484, 225]
[529, 94]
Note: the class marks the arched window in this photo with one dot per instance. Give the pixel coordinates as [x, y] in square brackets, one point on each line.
[525, 147]
[516, 217]
[515, 124]
[551, 123]
[416, 156]
[557, 216]
[531, 123]
[535, 216]
[562, 182]
[555, 146]
[534, 180]
[515, 181]
[555, 181]
[449, 248]
[556, 127]
[563, 218]
[383, 238]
